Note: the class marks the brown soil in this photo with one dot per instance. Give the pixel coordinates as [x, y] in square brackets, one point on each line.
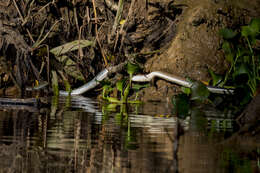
[196, 45]
[184, 32]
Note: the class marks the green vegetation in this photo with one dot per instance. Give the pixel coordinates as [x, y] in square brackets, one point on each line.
[241, 50]
[123, 86]
[182, 103]
[122, 119]
[242, 54]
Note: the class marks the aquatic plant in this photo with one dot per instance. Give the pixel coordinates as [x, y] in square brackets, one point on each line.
[123, 86]
[242, 53]
[241, 50]
[182, 103]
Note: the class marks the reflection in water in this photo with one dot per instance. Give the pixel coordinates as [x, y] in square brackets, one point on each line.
[78, 136]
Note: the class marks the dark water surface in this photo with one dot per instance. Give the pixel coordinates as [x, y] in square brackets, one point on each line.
[84, 136]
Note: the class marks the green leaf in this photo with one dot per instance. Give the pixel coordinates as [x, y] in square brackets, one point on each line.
[111, 107]
[251, 30]
[227, 33]
[120, 85]
[126, 92]
[106, 89]
[199, 91]
[226, 46]
[137, 87]
[186, 90]
[181, 105]
[132, 68]
[241, 69]
[255, 26]
[112, 100]
[246, 31]
[216, 79]
[230, 57]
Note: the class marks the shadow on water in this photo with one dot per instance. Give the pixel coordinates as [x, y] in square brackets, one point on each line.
[81, 135]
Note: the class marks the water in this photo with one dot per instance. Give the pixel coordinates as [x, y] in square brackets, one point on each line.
[85, 136]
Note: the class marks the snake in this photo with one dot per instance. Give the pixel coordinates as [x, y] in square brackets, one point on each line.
[142, 78]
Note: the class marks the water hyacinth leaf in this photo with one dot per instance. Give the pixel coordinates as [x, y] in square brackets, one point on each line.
[241, 74]
[71, 46]
[241, 69]
[132, 68]
[106, 89]
[126, 92]
[181, 105]
[227, 33]
[199, 91]
[226, 47]
[246, 31]
[255, 25]
[186, 90]
[230, 58]
[216, 79]
[253, 30]
[111, 107]
[112, 100]
[120, 85]
[244, 52]
[137, 87]
[228, 51]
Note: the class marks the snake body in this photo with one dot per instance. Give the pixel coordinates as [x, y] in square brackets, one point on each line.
[88, 86]
[142, 78]
[178, 80]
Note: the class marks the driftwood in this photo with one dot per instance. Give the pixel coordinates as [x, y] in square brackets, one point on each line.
[22, 102]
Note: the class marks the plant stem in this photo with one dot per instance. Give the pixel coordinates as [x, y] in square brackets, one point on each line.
[117, 19]
[253, 59]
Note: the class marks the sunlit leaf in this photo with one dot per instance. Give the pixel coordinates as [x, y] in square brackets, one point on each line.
[227, 33]
[112, 100]
[106, 89]
[199, 91]
[120, 85]
[111, 107]
[186, 90]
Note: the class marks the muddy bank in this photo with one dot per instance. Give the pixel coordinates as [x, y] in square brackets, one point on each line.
[196, 46]
[178, 37]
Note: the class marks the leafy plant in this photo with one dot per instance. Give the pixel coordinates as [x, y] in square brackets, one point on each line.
[241, 52]
[182, 103]
[123, 86]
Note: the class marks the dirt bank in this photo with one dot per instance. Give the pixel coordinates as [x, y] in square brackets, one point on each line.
[196, 45]
[179, 37]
